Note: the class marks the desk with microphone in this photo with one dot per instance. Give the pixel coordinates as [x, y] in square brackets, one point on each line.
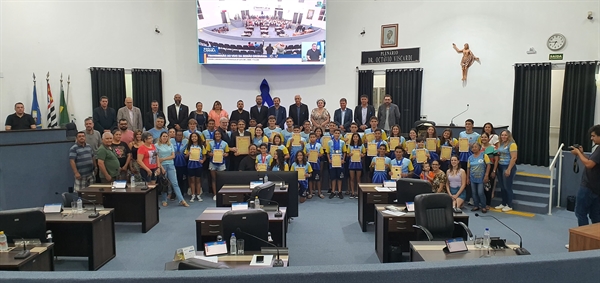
[277, 262]
[520, 250]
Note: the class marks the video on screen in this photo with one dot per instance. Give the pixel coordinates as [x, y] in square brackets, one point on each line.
[261, 32]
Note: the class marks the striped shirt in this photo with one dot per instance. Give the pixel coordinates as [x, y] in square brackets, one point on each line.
[83, 156]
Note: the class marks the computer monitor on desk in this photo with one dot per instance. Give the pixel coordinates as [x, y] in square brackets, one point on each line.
[263, 191]
[407, 189]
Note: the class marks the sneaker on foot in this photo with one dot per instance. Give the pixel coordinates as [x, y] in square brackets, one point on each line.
[506, 208]
[340, 195]
[331, 195]
[499, 207]
[192, 199]
[199, 198]
[215, 197]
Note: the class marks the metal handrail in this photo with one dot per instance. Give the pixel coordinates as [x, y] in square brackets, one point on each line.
[558, 156]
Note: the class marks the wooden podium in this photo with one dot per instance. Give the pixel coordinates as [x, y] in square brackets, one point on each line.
[584, 238]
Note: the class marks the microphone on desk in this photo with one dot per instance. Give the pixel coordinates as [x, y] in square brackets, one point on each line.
[95, 213]
[278, 213]
[452, 121]
[520, 250]
[276, 262]
[25, 252]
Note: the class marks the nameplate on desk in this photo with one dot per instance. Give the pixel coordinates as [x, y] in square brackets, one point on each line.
[185, 253]
[119, 184]
[410, 206]
[239, 206]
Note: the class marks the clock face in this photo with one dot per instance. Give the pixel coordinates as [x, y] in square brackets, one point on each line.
[556, 41]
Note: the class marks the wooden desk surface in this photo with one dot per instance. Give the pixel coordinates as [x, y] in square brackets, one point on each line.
[105, 188]
[590, 231]
[432, 251]
[369, 187]
[67, 216]
[7, 260]
[381, 207]
[216, 214]
[246, 189]
[584, 238]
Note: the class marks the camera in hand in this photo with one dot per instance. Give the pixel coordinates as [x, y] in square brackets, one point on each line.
[570, 147]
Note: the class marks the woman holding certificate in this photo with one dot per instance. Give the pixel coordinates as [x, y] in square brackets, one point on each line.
[448, 146]
[218, 149]
[411, 143]
[278, 162]
[380, 164]
[304, 170]
[195, 153]
[336, 159]
[356, 151]
[507, 150]
[166, 154]
[395, 139]
[457, 182]
[263, 159]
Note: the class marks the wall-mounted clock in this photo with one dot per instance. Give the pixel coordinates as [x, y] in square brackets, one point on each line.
[556, 42]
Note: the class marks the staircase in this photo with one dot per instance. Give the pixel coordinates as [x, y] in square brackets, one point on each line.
[531, 191]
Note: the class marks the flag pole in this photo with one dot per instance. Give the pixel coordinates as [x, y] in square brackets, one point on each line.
[69, 102]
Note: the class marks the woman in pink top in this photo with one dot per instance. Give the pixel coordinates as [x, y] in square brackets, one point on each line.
[217, 112]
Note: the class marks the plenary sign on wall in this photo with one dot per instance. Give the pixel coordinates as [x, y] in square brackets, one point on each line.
[405, 55]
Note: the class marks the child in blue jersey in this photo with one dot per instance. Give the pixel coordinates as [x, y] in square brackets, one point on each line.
[395, 133]
[302, 162]
[272, 129]
[446, 139]
[463, 157]
[336, 146]
[209, 133]
[478, 170]
[278, 144]
[374, 122]
[278, 162]
[355, 146]
[293, 149]
[263, 158]
[195, 152]
[406, 167]
[413, 156]
[306, 130]
[314, 182]
[217, 144]
[287, 133]
[379, 176]
[432, 134]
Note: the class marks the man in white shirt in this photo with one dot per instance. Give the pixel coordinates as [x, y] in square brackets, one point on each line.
[363, 113]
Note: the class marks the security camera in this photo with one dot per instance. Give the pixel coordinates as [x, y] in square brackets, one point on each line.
[363, 32]
[156, 30]
[590, 17]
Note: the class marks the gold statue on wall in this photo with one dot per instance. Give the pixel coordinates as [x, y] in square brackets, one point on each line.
[467, 59]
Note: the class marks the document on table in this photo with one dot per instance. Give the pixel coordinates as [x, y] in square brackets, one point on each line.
[297, 138]
[217, 156]
[421, 155]
[372, 149]
[242, 144]
[431, 144]
[446, 152]
[463, 145]
[395, 213]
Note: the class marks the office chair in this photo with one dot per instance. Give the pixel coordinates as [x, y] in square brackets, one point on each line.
[242, 222]
[25, 223]
[435, 217]
[68, 198]
[422, 125]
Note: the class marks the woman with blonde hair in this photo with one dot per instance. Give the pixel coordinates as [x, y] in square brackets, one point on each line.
[507, 168]
[166, 154]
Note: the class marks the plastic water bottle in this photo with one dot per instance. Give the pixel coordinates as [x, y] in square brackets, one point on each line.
[486, 238]
[233, 244]
[269, 238]
[256, 203]
[79, 206]
[3, 242]
[265, 179]
[132, 184]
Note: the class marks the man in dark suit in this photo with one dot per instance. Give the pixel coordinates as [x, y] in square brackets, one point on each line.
[105, 118]
[277, 111]
[388, 114]
[150, 117]
[363, 113]
[259, 112]
[343, 116]
[178, 114]
[240, 113]
[298, 111]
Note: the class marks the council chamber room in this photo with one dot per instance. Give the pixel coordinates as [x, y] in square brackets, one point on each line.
[300, 141]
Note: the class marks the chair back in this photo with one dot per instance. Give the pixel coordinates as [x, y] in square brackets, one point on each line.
[434, 212]
[67, 198]
[251, 221]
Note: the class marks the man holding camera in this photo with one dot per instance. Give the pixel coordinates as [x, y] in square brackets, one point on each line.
[588, 196]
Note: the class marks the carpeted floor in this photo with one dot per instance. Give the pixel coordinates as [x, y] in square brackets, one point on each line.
[326, 233]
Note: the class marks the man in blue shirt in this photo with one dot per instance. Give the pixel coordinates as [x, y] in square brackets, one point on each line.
[81, 158]
[343, 116]
[158, 128]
